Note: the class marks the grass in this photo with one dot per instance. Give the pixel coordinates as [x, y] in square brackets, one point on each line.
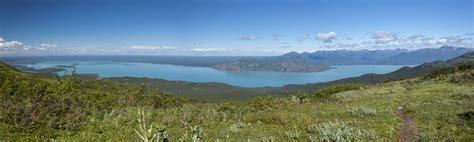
[366, 114]
[279, 120]
[436, 108]
[442, 110]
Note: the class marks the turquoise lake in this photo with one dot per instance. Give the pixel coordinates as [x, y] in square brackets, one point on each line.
[204, 74]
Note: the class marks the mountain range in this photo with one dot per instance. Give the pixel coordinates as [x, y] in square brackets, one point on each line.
[322, 60]
[402, 73]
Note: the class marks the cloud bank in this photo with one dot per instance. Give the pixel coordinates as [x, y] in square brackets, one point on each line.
[374, 41]
[326, 37]
[249, 38]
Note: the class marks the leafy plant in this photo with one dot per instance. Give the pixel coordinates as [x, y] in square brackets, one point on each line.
[191, 133]
[326, 91]
[237, 127]
[362, 111]
[149, 132]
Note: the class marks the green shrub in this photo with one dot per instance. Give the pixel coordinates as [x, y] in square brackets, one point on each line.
[268, 103]
[339, 131]
[300, 98]
[457, 74]
[269, 118]
[42, 107]
[147, 130]
[293, 134]
[237, 127]
[31, 103]
[362, 111]
[326, 91]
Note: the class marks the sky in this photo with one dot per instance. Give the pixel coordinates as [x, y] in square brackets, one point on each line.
[229, 27]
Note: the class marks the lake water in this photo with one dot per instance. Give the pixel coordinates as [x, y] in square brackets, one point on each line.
[204, 74]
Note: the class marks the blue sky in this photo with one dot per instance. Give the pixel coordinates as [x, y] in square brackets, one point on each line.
[229, 27]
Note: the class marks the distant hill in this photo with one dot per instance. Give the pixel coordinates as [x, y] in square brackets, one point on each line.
[387, 57]
[273, 65]
[425, 55]
[308, 62]
[403, 73]
[321, 60]
[345, 57]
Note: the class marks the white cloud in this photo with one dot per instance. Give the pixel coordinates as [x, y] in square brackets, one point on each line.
[382, 37]
[415, 37]
[249, 38]
[19, 48]
[428, 41]
[388, 40]
[10, 43]
[305, 37]
[441, 41]
[450, 40]
[47, 46]
[148, 48]
[210, 49]
[326, 37]
[8, 46]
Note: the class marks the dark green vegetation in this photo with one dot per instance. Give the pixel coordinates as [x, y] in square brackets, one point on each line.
[272, 65]
[35, 107]
[39, 107]
[200, 92]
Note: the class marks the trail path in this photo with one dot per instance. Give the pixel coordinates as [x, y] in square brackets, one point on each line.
[408, 128]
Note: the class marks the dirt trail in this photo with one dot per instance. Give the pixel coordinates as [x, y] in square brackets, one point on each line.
[408, 128]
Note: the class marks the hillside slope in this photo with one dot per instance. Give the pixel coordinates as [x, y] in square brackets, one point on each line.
[102, 110]
[425, 55]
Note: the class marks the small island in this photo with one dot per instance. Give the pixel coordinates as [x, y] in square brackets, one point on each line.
[272, 65]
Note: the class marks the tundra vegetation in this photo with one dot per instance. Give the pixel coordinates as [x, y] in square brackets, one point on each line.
[68, 108]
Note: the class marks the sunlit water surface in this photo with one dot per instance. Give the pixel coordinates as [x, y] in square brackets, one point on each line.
[204, 74]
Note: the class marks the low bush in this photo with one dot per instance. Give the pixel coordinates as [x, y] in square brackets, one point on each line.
[268, 103]
[42, 106]
[362, 111]
[270, 118]
[457, 74]
[237, 127]
[300, 98]
[339, 131]
[325, 92]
